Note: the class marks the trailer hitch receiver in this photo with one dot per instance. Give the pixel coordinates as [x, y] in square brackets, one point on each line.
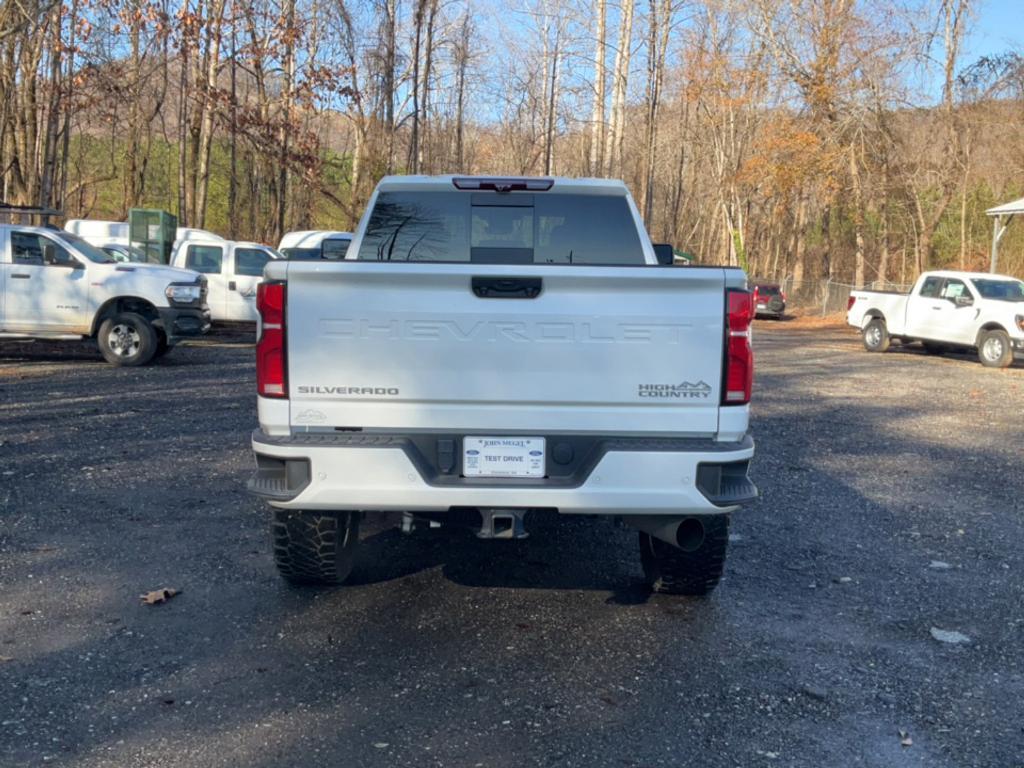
[502, 524]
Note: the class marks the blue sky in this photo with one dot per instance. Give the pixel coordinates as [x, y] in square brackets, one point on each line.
[998, 27]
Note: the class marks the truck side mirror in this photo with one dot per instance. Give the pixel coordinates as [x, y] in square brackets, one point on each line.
[964, 300]
[56, 257]
[665, 253]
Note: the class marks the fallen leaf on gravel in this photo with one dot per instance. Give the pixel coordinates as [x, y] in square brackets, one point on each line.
[815, 693]
[5, 659]
[939, 565]
[905, 740]
[159, 595]
[381, 745]
[949, 636]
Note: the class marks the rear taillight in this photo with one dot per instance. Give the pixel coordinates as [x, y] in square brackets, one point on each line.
[783, 295]
[739, 356]
[850, 302]
[271, 360]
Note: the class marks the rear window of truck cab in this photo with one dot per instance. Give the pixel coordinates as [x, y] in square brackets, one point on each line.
[501, 228]
[1000, 290]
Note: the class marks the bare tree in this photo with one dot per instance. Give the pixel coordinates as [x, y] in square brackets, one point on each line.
[659, 22]
[597, 121]
[620, 82]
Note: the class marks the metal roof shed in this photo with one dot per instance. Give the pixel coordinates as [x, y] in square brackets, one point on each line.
[1001, 216]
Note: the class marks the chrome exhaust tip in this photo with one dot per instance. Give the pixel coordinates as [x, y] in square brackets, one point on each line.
[686, 533]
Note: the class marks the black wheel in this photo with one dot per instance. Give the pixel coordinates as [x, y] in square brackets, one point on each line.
[127, 339]
[994, 349]
[315, 547]
[931, 348]
[876, 336]
[674, 571]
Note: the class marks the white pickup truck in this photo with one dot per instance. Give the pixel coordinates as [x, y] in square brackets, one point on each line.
[313, 244]
[495, 346]
[232, 268]
[55, 285]
[946, 310]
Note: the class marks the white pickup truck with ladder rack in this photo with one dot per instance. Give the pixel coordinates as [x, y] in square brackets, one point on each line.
[54, 285]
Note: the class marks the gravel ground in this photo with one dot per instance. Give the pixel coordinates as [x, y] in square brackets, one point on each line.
[891, 505]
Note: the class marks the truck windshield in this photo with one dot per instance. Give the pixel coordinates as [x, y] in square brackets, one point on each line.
[87, 249]
[1000, 290]
[494, 228]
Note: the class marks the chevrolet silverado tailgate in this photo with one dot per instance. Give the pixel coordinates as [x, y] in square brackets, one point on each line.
[485, 348]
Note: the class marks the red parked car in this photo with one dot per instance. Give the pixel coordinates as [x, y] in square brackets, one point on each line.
[769, 301]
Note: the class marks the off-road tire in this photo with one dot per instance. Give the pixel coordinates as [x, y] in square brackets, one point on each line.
[671, 571]
[315, 547]
[876, 336]
[127, 340]
[994, 349]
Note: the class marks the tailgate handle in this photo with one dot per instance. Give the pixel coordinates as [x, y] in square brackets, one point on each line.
[507, 287]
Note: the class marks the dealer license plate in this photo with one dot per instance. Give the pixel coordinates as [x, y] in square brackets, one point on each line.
[503, 457]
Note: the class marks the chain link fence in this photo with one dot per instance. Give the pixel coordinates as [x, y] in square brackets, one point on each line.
[826, 297]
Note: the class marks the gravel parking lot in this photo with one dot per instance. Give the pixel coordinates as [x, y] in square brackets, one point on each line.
[892, 505]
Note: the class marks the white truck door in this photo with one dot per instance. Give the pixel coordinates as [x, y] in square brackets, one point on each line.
[246, 273]
[208, 259]
[47, 287]
[5, 275]
[956, 321]
[923, 309]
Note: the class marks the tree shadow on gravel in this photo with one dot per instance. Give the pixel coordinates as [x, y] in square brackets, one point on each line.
[959, 354]
[448, 650]
[12, 351]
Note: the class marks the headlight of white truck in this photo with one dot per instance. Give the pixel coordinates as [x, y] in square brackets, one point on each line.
[184, 293]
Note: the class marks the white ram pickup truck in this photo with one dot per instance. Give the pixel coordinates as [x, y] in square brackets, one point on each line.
[946, 310]
[56, 285]
[494, 346]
